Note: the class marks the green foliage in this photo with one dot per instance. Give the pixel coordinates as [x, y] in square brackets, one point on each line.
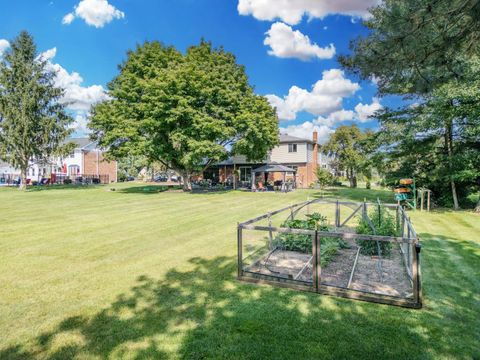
[33, 121]
[384, 224]
[426, 51]
[186, 111]
[350, 147]
[324, 177]
[413, 46]
[303, 243]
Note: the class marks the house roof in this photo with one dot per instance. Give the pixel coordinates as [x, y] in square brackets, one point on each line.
[83, 143]
[273, 167]
[285, 138]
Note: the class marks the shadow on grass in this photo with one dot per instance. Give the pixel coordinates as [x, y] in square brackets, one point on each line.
[208, 314]
[155, 189]
[148, 189]
[63, 187]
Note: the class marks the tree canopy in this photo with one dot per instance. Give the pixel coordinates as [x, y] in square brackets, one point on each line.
[186, 111]
[426, 50]
[33, 123]
[415, 45]
[348, 146]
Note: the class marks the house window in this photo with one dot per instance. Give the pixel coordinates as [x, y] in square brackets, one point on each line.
[72, 155]
[73, 170]
[292, 148]
[246, 174]
[33, 171]
[294, 167]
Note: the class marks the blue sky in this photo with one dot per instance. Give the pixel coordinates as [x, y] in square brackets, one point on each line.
[286, 48]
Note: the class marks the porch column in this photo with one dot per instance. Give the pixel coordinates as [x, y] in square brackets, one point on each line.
[234, 176]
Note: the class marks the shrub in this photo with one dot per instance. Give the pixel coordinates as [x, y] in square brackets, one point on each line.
[67, 181]
[303, 243]
[324, 177]
[384, 224]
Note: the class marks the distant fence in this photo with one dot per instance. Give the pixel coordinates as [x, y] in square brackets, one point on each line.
[59, 179]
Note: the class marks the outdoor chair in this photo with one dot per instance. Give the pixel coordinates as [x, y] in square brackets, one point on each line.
[260, 187]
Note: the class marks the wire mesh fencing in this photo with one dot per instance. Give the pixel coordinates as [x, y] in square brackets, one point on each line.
[367, 251]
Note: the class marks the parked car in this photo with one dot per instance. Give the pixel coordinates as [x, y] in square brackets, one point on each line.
[130, 178]
[161, 178]
[174, 178]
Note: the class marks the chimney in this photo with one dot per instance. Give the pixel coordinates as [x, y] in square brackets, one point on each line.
[315, 149]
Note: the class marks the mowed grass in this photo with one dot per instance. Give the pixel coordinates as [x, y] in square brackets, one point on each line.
[136, 273]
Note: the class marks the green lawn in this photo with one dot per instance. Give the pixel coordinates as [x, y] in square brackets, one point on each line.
[139, 274]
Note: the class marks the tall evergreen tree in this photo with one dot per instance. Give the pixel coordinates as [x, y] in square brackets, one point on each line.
[414, 49]
[33, 123]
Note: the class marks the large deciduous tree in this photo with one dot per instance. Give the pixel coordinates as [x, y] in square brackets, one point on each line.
[33, 123]
[346, 145]
[186, 111]
[418, 49]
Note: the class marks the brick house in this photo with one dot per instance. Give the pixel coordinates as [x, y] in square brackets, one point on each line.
[299, 154]
[86, 161]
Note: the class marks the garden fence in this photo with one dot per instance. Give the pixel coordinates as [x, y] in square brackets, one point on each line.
[332, 260]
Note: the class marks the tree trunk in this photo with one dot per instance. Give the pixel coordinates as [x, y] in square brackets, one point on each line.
[449, 146]
[23, 179]
[350, 177]
[477, 207]
[187, 186]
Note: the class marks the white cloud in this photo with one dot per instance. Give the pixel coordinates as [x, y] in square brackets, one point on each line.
[49, 54]
[292, 11]
[306, 129]
[333, 82]
[326, 96]
[77, 98]
[95, 13]
[335, 117]
[325, 125]
[288, 43]
[67, 19]
[365, 111]
[283, 110]
[80, 124]
[4, 45]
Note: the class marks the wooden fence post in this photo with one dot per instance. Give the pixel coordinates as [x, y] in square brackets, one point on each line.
[318, 261]
[239, 245]
[337, 215]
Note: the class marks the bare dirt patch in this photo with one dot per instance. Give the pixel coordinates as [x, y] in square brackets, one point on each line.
[386, 276]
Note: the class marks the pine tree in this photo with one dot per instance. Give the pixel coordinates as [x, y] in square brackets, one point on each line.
[33, 123]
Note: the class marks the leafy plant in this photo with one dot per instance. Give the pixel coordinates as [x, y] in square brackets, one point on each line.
[324, 177]
[384, 225]
[303, 243]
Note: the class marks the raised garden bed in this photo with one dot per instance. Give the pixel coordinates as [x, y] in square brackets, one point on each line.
[378, 262]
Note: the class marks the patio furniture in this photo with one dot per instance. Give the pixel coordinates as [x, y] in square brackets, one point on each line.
[273, 167]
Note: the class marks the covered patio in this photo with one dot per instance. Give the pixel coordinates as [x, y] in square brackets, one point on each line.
[273, 167]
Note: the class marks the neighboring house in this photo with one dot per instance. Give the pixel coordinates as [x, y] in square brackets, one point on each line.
[296, 153]
[85, 161]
